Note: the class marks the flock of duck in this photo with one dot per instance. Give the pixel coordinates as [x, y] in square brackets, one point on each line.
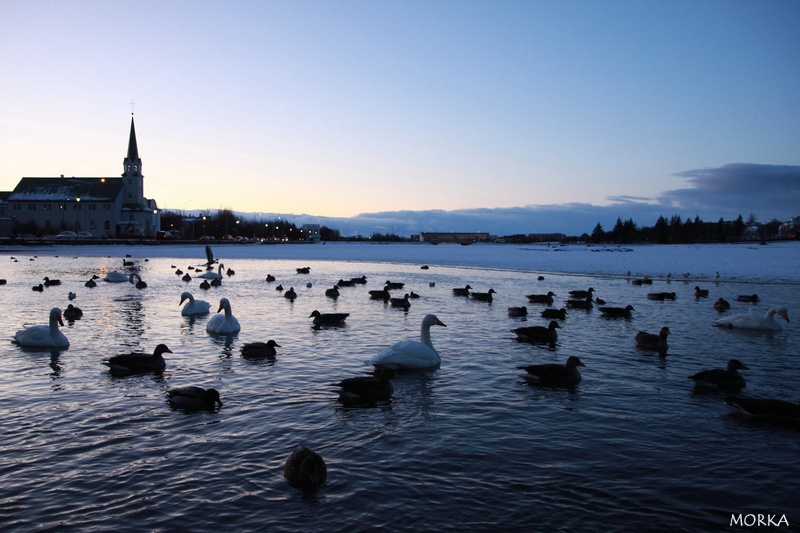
[305, 467]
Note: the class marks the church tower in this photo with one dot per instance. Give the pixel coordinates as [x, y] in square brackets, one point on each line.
[132, 178]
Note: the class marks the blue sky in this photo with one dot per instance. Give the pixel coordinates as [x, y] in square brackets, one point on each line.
[547, 110]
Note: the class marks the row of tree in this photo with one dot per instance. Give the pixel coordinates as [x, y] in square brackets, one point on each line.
[677, 231]
[225, 222]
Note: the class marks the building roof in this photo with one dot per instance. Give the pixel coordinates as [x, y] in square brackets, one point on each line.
[133, 150]
[67, 189]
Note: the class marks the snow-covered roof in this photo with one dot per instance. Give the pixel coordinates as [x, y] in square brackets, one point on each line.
[64, 189]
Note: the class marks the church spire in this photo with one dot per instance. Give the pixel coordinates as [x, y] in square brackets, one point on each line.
[133, 151]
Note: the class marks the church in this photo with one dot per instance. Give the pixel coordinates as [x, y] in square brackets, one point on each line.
[106, 207]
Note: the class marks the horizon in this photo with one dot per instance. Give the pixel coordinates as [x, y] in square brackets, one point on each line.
[473, 116]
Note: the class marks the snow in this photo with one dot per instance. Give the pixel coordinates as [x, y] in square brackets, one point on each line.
[750, 262]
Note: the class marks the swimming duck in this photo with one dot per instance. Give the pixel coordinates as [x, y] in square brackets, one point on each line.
[51, 282]
[464, 291]
[193, 307]
[216, 282]
[722, 305]
[290, 294]
[660, 296]
[748, 298]
[139, 283]
[517, 311]
[226, 324]
[582, 294]
[270, 278]
[650, 341]
[345, 283]
[332, 292]
[73, 313]
[541, 298]
[38, 288]
[48, 336]
[700, 293]
[580, 304]
[139, 362]
[765, 407]
[382, 294]
[193, 398]
[538, 333]
[721, 378]
[205, 285]
[260, 350]
[748, 321]
[393, 285]
[360, 280]
[305, 468]
[90, 284]
[412, 353]
[230, 272]
[328, 319]
[565, 375]
[483, 296]
[617, 312]
[303, 270]
[402, 303]
[560, 314]
[186, 277]
[367, 389]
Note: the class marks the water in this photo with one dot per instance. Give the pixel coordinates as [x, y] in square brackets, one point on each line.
[467, 446]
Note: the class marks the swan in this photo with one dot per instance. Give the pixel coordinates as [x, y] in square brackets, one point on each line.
[115, 276]
[748, 321]
[193, 398]
[223, 324]
[193, 307]
[411, 353]
[139, 362]
[305, 468]
[44, 336]
[211, 274]
[139, 283]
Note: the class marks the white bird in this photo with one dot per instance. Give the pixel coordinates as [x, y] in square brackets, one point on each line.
[212, 275]
[411, 353]
[749, 321]
[223, 324]
[115, 276]
[44, 336]
[193, 307]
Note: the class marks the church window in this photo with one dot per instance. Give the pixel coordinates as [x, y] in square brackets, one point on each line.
[107, 225]
[31, 207]
[16, 207]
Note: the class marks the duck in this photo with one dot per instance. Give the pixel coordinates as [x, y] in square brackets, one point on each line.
[643, 281]
[38, 288]
[382, 294]
[721, 378]
[305, 468]
[582, 294]
[72, 313]
[186, 277]
[213, 275]
[362, 280]
[552, 374]
[332, 292]
[412, 354]
[651, 341]
[722, 305]
[205, 285]
[51, 282]
[290, 294]
[413, 295]
[517, 311]
[216, 282]
[538, 333]
[580, 304]
[345, 283]
[767, 408]
[367, 389]
[561, 314]
[115, 276]
[226, 324]
[748, 298]
[463, 291]
[303, 270]
[71, 295]
[260, 350]
[91, 284]
[661, 296]
[193, 307]
[139, 362]
[401, 303]
[178, 272]
[139, 283]
[193, 398]
[279, 288]
[270, 278]
[616, 312]
[394, 285]
[48, 336]
[541, 298]
[749, 321]
[328, 319]
[483, 296]
[230, 272]
[700, 293]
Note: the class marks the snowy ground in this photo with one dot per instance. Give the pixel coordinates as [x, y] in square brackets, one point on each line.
[775, 262]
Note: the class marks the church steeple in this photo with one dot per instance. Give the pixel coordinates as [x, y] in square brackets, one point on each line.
[133, 151]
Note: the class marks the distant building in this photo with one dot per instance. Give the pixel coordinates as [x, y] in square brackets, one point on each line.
[107, 207]
[310, 232]
[451, 237]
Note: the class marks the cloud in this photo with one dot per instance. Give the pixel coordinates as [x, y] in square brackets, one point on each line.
[769, 191]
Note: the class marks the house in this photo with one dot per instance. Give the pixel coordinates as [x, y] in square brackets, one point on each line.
[107, 206]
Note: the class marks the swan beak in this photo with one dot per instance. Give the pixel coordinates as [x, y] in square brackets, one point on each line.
[220, 308]
[182, 300]
[61, 322]
[440, 323]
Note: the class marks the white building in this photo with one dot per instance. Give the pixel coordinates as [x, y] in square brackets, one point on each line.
[107, 207]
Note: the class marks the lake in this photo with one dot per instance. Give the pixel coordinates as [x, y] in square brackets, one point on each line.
[467, 446]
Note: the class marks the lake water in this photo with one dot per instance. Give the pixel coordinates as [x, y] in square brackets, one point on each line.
[467, 446]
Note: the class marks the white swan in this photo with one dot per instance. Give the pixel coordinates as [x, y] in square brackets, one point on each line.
[223, 324]
[410, 353]
[749, 321]
[115, 276]
[211, 274]
[44, 336]
[193, 307]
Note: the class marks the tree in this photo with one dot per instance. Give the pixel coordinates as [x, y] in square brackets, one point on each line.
[598, 235]
[738, 228]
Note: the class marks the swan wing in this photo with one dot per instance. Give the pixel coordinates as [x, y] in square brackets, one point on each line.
[408, 354]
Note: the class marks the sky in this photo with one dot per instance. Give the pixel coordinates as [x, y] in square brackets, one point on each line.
[508, 117]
